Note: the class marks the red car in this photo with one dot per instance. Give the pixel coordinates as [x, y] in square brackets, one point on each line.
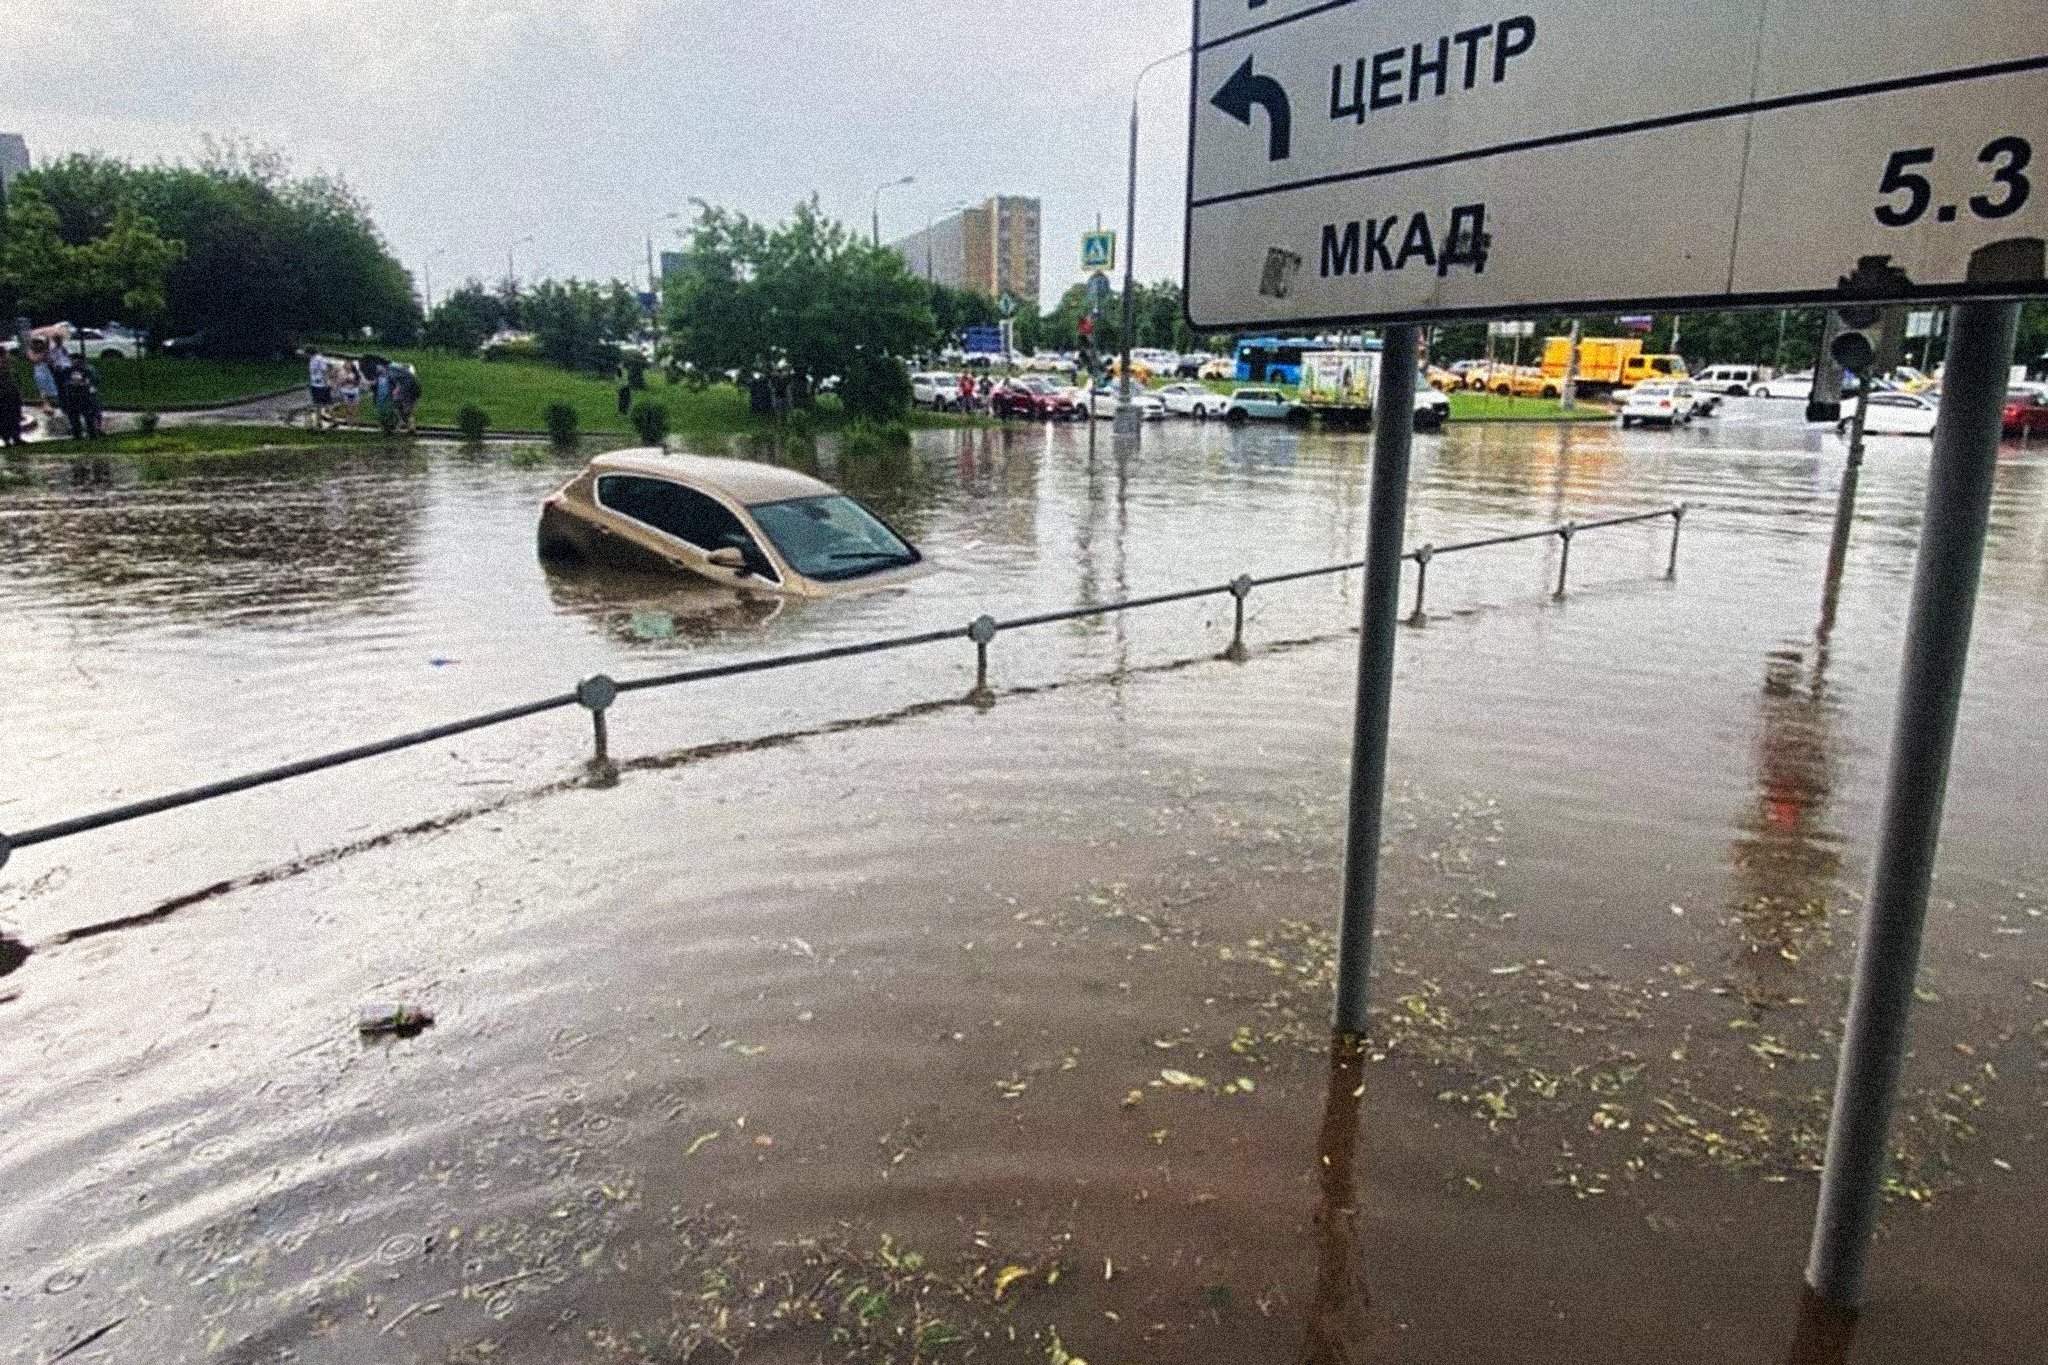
[2026, 412]
[1034, 398]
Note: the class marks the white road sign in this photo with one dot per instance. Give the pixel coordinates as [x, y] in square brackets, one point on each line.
[1364, 161]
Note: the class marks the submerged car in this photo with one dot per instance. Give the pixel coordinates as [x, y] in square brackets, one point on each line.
[734, 522]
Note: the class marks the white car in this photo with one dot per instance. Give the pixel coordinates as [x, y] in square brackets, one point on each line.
[1895, 414]
[1656, 405]
[936, 391]
[1103, 403]
[1192, 400]
[1734, 381]
[1799, 386]
[1263, 405]
[1432, 408]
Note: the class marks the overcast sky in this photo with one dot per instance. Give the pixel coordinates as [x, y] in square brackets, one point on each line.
[468, 124]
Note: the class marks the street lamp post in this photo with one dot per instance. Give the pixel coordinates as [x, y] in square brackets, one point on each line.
[875, 224]
[1127, 415]
[427, 274]
[511, 275]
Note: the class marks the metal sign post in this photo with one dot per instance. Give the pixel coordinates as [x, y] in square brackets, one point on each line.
[1923, 738]
[1392, 441]
[1354, 163]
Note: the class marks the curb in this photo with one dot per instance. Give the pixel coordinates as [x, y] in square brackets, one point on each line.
[186, 409]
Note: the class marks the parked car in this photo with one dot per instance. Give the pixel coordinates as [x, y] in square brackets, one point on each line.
[1432, 408]
[1658, 404]
[935, 390]
[1895, 414]
[750, 526]
[1262, 405]
[1733, 381]
[106, 343]
[1104, 401]
[1192, 400]
[1798, 386]
[1223, 367]
[1033, 398]
[2026, 410]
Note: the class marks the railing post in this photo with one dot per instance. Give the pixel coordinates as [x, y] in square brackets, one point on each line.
[982, 632]
[1240, 589]
[1564, 563]
[1677, 524]
[1422, 557]
[596, 694]
[6, 848]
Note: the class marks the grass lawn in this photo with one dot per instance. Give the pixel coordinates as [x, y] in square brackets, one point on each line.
[516, 395]
[165, 383]
[1492, 407]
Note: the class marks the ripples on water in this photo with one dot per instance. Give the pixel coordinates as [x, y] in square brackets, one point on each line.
[804, 1048]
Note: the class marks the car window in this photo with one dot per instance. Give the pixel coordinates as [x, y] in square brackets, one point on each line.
[832, 537]
[686, 514]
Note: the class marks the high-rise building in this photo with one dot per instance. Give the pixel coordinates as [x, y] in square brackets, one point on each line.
[992, 248]
[13, 161]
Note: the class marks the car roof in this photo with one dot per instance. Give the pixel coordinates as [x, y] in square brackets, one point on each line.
[741, 480]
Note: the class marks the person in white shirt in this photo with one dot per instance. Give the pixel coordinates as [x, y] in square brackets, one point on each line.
[316, 386]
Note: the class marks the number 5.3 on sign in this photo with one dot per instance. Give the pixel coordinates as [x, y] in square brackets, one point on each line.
[1999, 190]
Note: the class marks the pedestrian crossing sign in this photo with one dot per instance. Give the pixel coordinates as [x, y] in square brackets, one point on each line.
[1098, 251]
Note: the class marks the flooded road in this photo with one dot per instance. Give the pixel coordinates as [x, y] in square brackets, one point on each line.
[852, 1026]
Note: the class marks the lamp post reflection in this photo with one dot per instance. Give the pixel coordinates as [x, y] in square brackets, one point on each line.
[1824, 1333]
[1336, 1319]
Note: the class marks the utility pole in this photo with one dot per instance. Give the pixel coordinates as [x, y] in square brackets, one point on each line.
[1127, 423]
[875, 225]
[1571, 372]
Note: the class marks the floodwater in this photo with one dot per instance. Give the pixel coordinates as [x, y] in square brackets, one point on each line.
[858, 1023]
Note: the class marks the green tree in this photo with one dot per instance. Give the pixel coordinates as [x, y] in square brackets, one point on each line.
[808, 297]
[266, 259]
[118, 274]
[464, 319]
[579, 324]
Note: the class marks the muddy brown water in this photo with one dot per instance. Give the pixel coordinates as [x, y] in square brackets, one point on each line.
[854, 1026]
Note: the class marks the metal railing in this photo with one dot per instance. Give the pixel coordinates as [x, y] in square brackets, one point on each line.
[598, 694]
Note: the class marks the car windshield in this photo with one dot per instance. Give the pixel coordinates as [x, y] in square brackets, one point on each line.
[832, 537]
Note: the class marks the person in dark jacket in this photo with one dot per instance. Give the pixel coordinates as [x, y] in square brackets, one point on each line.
[80, 398]
[10, 404]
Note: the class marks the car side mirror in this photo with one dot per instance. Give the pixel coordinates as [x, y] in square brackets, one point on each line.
[728, 557]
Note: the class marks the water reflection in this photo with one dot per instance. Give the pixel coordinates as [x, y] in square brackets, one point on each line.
[1824, 1333]
[1337, 1327]
[270, 540]
[649, 609]
[1787, 858]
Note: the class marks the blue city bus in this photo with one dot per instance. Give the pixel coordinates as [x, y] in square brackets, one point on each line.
[1277, 360]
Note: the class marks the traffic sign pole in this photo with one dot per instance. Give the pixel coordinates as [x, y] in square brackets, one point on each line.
[1392, 442]
[1923, 740]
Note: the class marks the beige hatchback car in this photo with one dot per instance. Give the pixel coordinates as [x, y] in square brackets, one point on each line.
[736, 523]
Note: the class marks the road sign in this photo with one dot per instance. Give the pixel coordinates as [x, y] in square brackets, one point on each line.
[1007, 304]
[1352, 161]
[1511, 329]
[983, 341]
[1099, 288]
[1919, 325]
[1098, 250]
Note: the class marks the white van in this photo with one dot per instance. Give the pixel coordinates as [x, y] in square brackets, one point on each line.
[1734, 380]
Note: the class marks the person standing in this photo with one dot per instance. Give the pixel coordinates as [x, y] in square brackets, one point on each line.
[80, 399]
[348, 390]
[45, 377]
[10, 403]
[405, 395]
[318, 387]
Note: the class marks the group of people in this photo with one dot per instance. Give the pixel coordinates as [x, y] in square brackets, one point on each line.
[337, 385]
[64, 383]
[975, 397]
